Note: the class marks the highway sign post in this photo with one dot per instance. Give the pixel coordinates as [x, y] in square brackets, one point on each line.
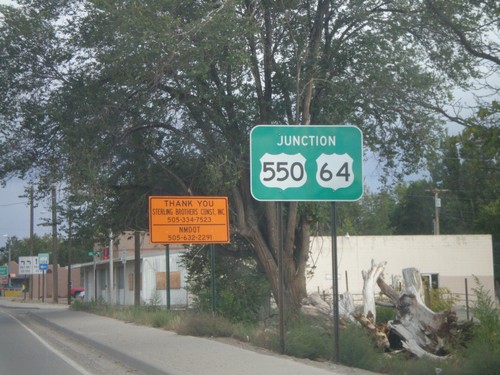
[43, 265]
[189, 220]
[306, 163]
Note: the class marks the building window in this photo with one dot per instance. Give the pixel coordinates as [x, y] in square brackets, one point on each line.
[430, 280]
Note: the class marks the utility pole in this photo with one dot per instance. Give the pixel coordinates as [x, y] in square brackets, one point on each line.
[55, 259]
[32, 245]
[437, 208]
[70, 245]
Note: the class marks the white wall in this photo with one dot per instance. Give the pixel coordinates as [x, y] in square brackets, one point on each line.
[454, 258]
[153, 264]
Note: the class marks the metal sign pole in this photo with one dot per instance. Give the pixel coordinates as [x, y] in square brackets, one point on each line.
[167, 274]
[43, 286]
[335, 287]
[212, 270]
[279, 219]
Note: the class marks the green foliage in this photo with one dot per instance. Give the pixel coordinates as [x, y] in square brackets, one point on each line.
[467, 168]
[205, 325]
[311, 338]
[414, 211]
[357, 349]
[404, 364]
[480, 358]
[155, 300]
[122, 100]
[306, 338]
[384, 314]
[242, 291]
[489, 317]
[481, 355]
[371, 215]
[441, 299]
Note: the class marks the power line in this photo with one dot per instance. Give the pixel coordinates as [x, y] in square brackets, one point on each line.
[11, 204]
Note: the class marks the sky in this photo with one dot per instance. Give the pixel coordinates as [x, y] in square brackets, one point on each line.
[15, 213]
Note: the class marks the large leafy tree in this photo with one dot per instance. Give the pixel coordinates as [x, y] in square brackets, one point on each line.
[120, 96]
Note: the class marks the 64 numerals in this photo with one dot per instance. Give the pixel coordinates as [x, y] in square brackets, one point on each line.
[326, 174]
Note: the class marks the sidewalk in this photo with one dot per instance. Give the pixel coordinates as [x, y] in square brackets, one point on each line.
[156, 351]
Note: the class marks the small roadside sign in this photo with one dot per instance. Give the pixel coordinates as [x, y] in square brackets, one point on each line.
[28, 265]
[188, 220]
[4, 271]
[25, 266]
[43, 261]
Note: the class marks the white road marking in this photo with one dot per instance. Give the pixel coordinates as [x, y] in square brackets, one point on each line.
[65, 358]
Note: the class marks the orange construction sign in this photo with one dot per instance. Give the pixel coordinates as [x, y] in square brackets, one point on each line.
[188, 220]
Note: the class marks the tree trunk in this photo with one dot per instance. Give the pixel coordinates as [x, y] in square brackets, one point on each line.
[369, 278]
[262, 232]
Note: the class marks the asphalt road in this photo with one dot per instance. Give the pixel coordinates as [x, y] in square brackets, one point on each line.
[50, 339]
[22, 351]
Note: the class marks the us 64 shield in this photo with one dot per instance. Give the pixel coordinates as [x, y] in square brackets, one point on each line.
[306, 163]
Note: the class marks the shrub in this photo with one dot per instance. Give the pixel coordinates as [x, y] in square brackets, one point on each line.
[441, 299]
[204, 325]
[242, 291]
[266, 338]
[357, 349]
[482, 354]
[307, 339]
[404, 364]
[384, 314]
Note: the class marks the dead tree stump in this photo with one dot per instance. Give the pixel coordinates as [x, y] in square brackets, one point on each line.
[421, 330]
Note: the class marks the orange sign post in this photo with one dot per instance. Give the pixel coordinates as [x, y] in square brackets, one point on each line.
[188, 220]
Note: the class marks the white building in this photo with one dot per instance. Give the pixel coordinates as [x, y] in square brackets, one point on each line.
[96, 276]
[446, 261]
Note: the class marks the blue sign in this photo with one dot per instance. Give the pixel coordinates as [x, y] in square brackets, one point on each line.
[43, 261]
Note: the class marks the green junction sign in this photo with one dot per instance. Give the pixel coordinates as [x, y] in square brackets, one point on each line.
[306, 163]
[4, 271]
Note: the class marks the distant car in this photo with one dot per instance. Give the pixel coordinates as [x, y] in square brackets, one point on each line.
[76, 292]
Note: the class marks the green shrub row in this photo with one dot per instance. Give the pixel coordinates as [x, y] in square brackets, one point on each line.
[312, 338]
